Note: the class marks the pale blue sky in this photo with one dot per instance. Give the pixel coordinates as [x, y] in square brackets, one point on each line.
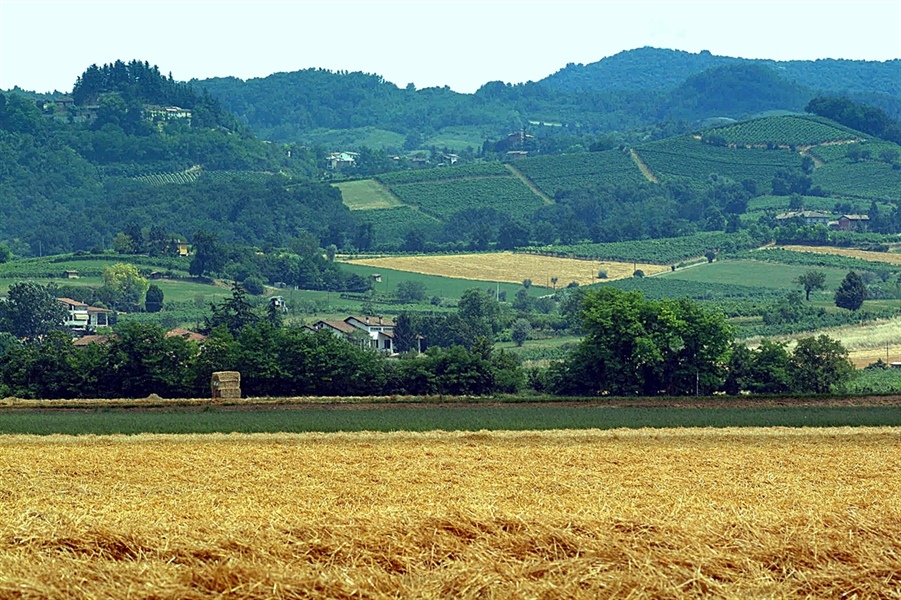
[45, 45]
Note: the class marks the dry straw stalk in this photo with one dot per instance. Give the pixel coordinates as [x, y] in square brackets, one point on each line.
[767, 513]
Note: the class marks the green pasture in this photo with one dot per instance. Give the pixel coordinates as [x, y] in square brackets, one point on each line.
[754, 274]
[513, 417]
[457, 138]
[349, 139]
[366, 194]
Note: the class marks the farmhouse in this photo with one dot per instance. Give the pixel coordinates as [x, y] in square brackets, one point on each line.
[853, 222]
[82, 318]
[76, 313]
[373, 332]
[338, 160]
[810, 217]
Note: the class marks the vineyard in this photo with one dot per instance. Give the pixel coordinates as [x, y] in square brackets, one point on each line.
[659, 251]
[685, 158]
[869, 179]
[777, 204]
[172, 177]
[784, 130]
[442, 199]
[88, 265]
[839, 152]
[667, 287]
[194, 173]
[392, 224]
[572, 171]
[487, 169]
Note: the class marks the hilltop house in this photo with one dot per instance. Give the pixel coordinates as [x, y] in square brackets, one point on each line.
[338, 160]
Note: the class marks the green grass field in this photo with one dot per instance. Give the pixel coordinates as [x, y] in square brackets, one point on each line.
[434, 417]
[754, 274]
[457, 138]
[367, 194]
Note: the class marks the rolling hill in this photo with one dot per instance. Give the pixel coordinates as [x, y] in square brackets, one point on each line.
[544, 188]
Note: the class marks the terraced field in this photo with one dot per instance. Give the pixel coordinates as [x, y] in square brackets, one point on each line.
[754, 513]
[510, 267]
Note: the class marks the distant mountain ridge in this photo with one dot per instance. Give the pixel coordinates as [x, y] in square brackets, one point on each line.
[629, 91]
[663, 70]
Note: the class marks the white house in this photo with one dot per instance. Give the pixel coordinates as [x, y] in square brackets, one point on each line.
[379, 330]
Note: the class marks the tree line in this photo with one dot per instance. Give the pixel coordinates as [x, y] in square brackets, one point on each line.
[631, 346]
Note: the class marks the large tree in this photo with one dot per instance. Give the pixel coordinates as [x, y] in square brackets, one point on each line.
[851, 293]
[31, 310]
[638, 346]
[208, 255]
[811, 281]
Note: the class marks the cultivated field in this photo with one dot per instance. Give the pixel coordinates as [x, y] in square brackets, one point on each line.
[367, 194]
[753, 513]
[884, 257]
[510, 267]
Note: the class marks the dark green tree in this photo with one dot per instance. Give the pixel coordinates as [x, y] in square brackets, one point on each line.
[208, 255]
[153, 300]
[633, 345]
[405, 333]
[811, 281]
[851, 292]
[818, 365]
[410, 291]
[233, 313]
[520, 331]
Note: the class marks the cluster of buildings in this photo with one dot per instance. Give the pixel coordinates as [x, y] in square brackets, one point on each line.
[812, 217]
[372, 332]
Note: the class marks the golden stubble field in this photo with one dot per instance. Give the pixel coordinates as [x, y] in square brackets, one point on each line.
[510, 267]
[756, 513]
[885, 257]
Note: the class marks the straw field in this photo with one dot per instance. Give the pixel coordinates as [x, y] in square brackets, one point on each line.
[723, 513]
[883, 257]
[511, 268]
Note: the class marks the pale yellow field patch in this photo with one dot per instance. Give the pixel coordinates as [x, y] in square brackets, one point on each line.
[724, 513]
[366, 194]
[510, 267]
[885, 257]
[864, 342]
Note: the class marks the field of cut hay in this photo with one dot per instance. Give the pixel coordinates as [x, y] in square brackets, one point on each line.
[510, 267]
[804, 513]
[885, 257]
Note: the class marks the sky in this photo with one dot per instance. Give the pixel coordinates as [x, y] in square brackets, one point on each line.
[46, 44]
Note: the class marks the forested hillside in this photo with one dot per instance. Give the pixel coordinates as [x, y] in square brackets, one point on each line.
[632, 90]
[72, 175]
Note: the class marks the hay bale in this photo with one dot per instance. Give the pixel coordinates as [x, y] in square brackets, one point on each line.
[226, 385]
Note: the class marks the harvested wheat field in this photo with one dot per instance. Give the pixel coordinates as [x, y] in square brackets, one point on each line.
[510, 267]
[866, 342]
[728, 513]
[885, 257]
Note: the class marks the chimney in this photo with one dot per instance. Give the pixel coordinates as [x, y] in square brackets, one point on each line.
[367, 320]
